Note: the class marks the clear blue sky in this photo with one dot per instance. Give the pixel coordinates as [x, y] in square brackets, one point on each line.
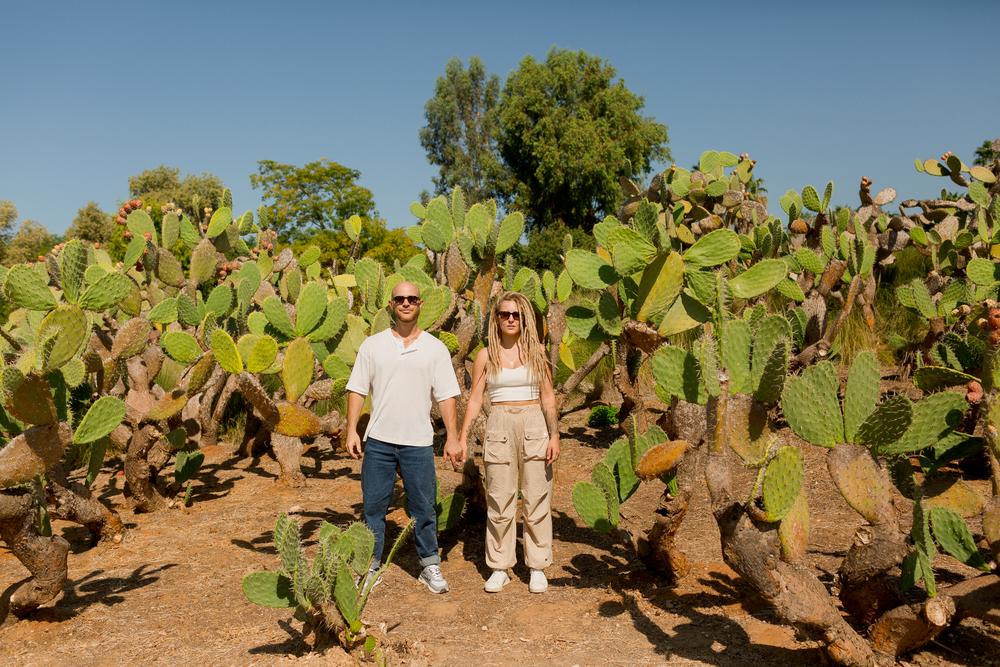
[93, 92]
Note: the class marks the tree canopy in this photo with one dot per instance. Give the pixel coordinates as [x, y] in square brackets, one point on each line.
[31, 241]
[318, 196]
[568, 130]
[988, 151]
[460, 134]
[91, 224]
[375, 241]
[164, 184]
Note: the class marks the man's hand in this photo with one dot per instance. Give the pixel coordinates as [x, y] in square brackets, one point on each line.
[354, 444]
[454, 451]
[552, 453]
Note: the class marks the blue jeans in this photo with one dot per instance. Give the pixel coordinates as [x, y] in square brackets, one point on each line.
[378, 477]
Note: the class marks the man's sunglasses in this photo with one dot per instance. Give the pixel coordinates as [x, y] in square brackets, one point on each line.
[409, 298]
[507, 314]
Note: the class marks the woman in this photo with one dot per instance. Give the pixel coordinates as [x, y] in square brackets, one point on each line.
[522, 440]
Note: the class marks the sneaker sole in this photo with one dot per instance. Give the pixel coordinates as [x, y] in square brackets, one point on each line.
[502, 586]
[427, 584]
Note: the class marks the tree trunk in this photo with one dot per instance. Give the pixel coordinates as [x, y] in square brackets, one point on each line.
[72, 501]
[140, 476]
[288, 452]
[44, 557]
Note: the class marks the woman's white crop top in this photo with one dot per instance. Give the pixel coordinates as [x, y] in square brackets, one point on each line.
[512, 384]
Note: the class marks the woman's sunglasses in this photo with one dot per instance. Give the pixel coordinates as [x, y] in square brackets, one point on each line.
[507, 314]
[409, 298]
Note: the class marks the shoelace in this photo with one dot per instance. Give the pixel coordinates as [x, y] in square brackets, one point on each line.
[435, 571]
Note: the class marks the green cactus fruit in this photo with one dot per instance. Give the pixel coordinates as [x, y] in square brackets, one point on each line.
[297, 368]
[31, 401]
[589, 270]
[73, 266]
[630, 251]
[886, 424]
[714, 248]
[180, 346]
[310, 308]
[758, 279]
[220, 301]
[436, 302]
[734, 350]
[604, 479]
[954, 536]
[61, 335]
[782, 482]
[793, 531]
[224, 348]
[864, 485]
[262, 354]
[862, 392]
[221, 219]
[511, 229]
[32, 453]
[296, 421]
[26, 288]
[278, 317]
[659, 287]
[103, 417]
[131, 339]
[809, 403]
[204, 257]
[772, 374]
[934, 417]
[109, 291]
[677, 373]
[592, 506]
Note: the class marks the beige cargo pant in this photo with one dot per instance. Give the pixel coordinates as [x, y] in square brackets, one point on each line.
[514, 454]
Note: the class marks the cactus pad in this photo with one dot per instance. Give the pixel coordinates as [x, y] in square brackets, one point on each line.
[886, 424]
[296, 421]
[758, 279]
[74, 265]
[746, 429]
[953, 494]
[26, 288]
[224, 348]
[262, 354]
[167, 406]
[861, 394]
[782, 482]
[793, 531]
[714, 248]
[220, 300]
[109, 291]
[103, 417]
[935, 378]
[164, 312]
[277, 316]
[131, 338]
[661, 459]
[592, 506]
[31, 401]
[61, 335]
[180, 346]
[677, 374]
[660, 285]
[604, 479]
[310, 308]
[773, 371]
[810, 405]
[511, 228]
[32, 453]
[297, 368]
[863, 484]
[734, 350]
[954, 536]
[589, 270]
[934, 417]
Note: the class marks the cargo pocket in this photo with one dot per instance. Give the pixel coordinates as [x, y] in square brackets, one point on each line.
[497, 447]
[536, 444]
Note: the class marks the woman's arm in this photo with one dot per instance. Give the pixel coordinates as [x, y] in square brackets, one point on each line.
[475, 403]
[547, 397]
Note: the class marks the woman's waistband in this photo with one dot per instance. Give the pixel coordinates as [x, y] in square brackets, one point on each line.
[514, 409]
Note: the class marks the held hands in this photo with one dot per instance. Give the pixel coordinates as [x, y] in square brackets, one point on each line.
[552, 453]
[454, 451]
[354, 444]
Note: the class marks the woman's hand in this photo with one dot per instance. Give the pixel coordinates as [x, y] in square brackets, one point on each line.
[552, 453]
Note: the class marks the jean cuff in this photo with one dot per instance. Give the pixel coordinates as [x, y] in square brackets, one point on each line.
[434, 559]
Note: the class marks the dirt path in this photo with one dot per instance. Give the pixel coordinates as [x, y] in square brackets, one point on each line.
[170, 593]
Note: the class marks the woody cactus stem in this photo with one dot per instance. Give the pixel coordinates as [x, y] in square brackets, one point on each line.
[44, 557]
[819, 348]
[140, 474]
[72, 501]
[753, 551]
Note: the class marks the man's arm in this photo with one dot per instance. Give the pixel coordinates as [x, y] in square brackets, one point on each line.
[453, 449]
[354, 404]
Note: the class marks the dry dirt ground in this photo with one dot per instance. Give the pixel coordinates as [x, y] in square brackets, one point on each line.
[170, 592]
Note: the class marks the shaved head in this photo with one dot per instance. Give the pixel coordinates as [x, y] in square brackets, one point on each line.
[405, 288]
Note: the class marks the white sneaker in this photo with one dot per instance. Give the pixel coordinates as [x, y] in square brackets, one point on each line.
[432, 578]
[538, 583]
[497, 581]
[367, 583]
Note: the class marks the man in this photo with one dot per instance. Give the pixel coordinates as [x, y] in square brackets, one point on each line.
[402, 369]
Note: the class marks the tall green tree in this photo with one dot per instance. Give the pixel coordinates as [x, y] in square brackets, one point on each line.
[460, 134]
[31, 241]
[568, 130]
[192, 194]
[375, 241]
[91, 224]
[318, 196]
[987, 152]
[8, 216]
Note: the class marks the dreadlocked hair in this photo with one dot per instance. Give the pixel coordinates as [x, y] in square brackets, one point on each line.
[529, 344]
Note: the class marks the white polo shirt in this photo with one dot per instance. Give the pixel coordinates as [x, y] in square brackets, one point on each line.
[402, 382]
